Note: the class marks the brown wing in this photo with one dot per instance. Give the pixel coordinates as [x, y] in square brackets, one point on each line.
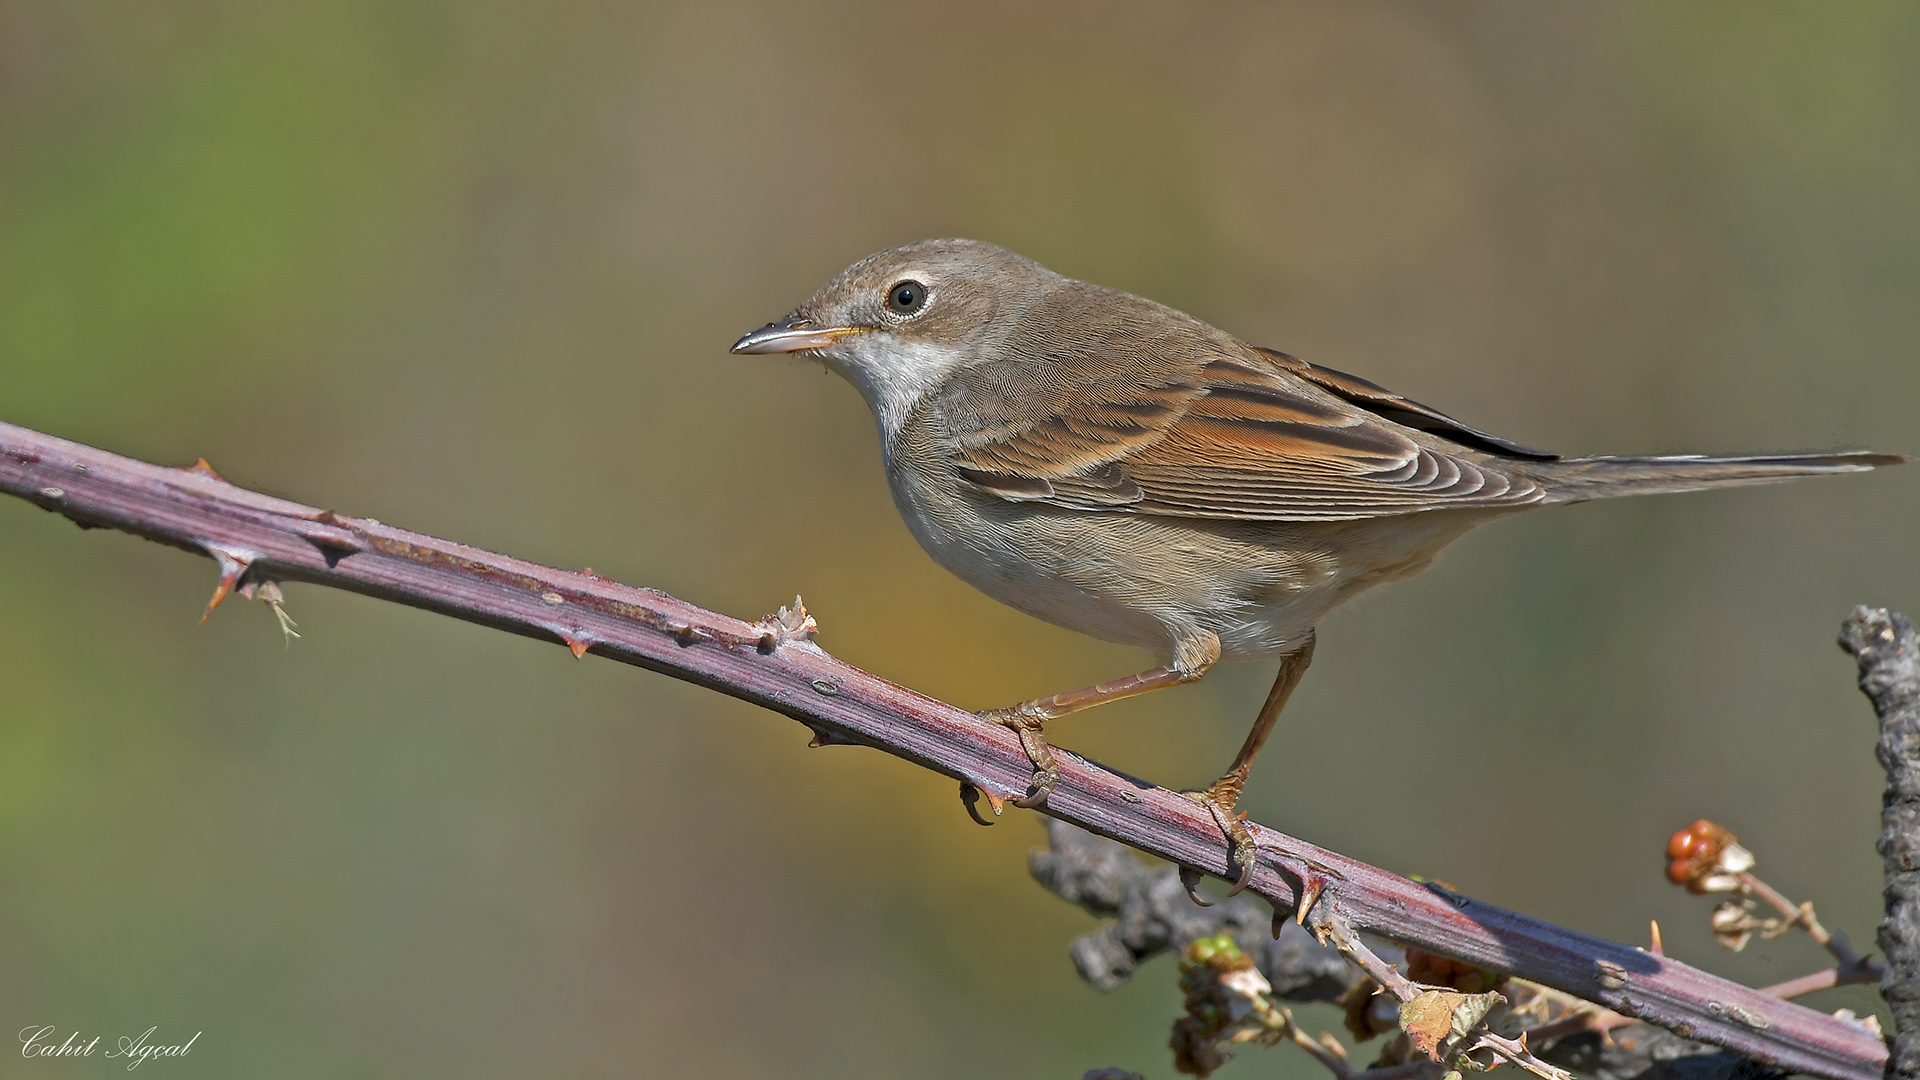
[1245, 434]
[1404, 411]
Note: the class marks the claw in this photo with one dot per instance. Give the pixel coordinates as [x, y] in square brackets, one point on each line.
[1026, 725]
[1242, 850]
[1246, 876]
[1190, 881]
[1043, 780]
[971, 794]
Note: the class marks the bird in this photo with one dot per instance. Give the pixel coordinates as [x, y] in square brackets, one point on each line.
[1120, 468]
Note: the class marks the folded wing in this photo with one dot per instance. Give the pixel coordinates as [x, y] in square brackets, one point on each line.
[1242, 434]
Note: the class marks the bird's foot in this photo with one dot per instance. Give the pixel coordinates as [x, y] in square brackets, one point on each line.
[1242, 851]
[1025, 720]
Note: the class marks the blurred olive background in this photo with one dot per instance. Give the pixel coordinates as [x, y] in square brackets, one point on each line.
[473, 268]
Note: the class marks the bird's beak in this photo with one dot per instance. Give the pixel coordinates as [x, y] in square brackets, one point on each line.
[791, 334]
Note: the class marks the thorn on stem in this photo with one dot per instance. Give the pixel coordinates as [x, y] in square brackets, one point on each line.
[232, 566]
[1655, 948]
[576, 645]
[203, 468]
[1311, 886]
[824, 737]
[970, 796]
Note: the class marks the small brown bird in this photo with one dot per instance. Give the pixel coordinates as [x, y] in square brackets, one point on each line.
[1119, 468]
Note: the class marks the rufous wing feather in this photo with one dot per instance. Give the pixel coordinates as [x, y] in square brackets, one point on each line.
[1240, 434]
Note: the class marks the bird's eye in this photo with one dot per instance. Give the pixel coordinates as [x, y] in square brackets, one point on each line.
[906, 297]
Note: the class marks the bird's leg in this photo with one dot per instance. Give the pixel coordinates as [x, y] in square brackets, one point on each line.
[1193, 654]
[1225, 792]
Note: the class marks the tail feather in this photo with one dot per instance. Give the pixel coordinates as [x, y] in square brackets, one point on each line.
[1578, 479]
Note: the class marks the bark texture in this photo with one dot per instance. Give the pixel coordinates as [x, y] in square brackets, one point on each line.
[1883, 642]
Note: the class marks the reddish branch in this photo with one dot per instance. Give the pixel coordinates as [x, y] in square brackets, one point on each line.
[256, 539]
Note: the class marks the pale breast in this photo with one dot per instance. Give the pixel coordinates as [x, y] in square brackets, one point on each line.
[1145, 580]
[1124, 578]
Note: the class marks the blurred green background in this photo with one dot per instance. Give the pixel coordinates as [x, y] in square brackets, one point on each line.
[473, 268]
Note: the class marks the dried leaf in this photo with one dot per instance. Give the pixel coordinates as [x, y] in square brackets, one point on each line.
[1436, 1016]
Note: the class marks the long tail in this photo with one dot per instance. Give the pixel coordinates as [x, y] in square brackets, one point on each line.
[1578, 479]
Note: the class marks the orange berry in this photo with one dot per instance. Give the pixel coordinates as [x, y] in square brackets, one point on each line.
[1678, 844]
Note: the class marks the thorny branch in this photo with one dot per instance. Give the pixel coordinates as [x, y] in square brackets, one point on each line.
[1234, 980]
[256, 539]
[1151, 915]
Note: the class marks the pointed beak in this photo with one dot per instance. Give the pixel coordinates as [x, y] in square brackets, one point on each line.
[791, 334]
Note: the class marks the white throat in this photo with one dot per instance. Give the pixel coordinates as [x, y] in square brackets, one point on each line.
[893, 375]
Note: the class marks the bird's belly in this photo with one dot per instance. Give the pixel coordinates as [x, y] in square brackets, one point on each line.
[1138, 579]
[1145, 580]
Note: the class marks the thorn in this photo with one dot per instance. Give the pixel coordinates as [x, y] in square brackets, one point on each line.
[334, 537]
[1311, 886]
[824, 737]
[971, 794]
[1656, 948]
[232, 565]
[576, 646]
[202, 467]
[587, 571]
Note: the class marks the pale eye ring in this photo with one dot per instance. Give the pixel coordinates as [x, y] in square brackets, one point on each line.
[906, 297]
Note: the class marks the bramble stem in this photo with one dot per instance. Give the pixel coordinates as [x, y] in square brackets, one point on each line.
[271, 539]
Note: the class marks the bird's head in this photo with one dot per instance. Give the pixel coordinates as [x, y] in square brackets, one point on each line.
[897, 323]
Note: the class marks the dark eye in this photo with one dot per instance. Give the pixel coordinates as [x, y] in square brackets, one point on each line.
[906, 297]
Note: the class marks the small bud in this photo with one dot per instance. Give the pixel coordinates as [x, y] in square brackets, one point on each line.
[1222, 989]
